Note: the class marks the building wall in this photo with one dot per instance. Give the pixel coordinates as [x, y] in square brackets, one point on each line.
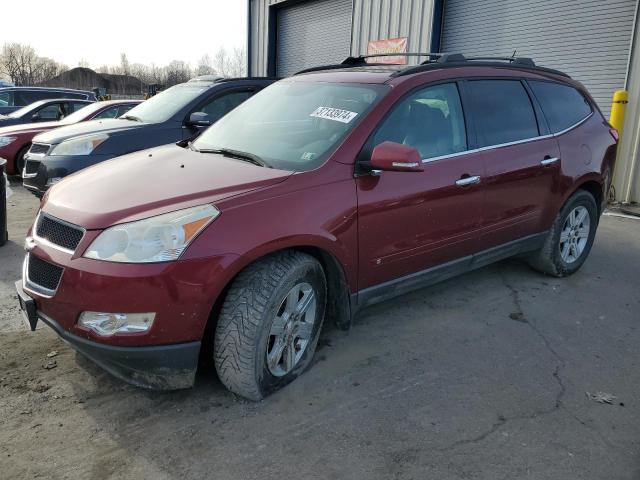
[588, 40]
[373, 20]
[626, 178]
[380, 19]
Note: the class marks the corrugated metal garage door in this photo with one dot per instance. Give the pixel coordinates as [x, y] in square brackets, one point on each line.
[588, 39]
[313, 33]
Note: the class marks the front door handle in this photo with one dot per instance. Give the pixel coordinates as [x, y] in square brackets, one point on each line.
[549, 161]
[468, 181]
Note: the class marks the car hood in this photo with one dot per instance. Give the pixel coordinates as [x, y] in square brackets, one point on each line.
[27, 127]
[152, 182]
[109, 125]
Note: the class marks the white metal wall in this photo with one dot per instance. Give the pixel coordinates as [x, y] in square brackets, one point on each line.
[588, 39]
[372, 20]
[311, 34]
[380, 19]
[626, 179]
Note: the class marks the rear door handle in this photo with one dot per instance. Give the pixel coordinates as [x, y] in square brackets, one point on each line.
[549, 161]
[468, 181]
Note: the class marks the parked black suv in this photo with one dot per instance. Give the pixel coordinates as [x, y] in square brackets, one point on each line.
[176, 114]
[43, 111]
[14, 98]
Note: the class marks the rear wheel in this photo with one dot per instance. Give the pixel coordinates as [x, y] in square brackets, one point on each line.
[569, 241]
[269, 324]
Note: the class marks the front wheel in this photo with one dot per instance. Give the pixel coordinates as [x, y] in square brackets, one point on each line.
[570, 239]
[20, 161]
[269, 324]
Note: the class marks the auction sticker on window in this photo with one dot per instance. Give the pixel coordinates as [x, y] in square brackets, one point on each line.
[336, 114]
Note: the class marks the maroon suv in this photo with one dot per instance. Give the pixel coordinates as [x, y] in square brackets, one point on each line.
[322, 194]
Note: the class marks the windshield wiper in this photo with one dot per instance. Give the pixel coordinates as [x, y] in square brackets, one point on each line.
[227, 152]
[131, 117]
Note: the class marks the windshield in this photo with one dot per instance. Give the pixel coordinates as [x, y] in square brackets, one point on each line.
[292, 125]
[24, 110]
[163, 106]
[80, 115]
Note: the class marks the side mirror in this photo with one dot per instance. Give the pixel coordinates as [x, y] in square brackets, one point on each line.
[200, 119]
[395, 157]
[35, 117]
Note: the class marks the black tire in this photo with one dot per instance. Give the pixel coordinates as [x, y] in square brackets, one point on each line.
[19, 162]
[255, 298]
[549, 259]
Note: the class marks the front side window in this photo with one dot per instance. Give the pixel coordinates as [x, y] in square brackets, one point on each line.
[50, 112]
[111, 112]
[220, 106]
[430, 120]
[563, 106]
[293, 125]
[6, 99]
[503, 111]
[28, 110]
[75, 106]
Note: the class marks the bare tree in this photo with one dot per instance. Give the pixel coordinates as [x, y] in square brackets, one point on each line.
[205, 66]
[221, 62]
[82, 63]
[177, 72]
[20, 63]
[46, 69]
[124, 64]
[238, 62]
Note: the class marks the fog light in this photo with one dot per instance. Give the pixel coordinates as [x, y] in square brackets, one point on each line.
[54, 180]
[107, 324]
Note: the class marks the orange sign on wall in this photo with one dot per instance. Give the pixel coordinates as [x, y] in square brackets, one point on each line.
[390, 45]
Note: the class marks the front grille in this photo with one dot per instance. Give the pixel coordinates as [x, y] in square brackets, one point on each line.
[58, 232]
[31, 167]
[43, 274]
[39, 148]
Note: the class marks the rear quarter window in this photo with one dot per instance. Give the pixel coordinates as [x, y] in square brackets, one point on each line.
[503, 111]
[563, 106]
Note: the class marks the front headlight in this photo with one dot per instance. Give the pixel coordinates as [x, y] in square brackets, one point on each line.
[156, 239]
[80, 145]
[4, 141]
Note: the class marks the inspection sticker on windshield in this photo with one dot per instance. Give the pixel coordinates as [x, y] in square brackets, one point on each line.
[328, 113]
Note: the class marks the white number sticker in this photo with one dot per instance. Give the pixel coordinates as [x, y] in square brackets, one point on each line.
[336, 114]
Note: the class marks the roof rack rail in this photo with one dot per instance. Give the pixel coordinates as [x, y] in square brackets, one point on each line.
[361, 61]
[458, 60]
[434, 60]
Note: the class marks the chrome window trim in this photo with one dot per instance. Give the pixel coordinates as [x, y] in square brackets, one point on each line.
[28, 285]
[562, 132]
[500, 145]
[44, 241]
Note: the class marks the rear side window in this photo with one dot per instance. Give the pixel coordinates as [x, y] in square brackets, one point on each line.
[563, 106]
[503, 111]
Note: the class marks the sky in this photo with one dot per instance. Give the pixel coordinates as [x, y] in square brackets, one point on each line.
[148, 32]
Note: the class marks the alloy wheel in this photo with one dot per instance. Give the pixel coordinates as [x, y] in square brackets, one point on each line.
[575, 234]
[291, 329]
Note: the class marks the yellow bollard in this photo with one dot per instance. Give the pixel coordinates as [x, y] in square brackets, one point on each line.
[620, 100]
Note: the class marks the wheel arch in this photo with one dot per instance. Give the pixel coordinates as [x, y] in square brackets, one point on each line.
[23, 148]
[338, 289]
[593, 185]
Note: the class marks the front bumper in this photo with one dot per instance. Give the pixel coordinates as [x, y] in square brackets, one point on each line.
[41, 169]
[163, 367]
